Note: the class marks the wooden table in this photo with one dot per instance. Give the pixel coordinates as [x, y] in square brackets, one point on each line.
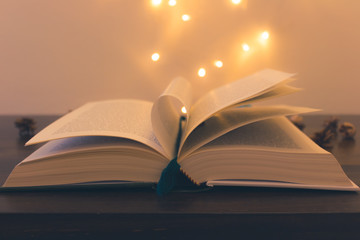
[217, 213]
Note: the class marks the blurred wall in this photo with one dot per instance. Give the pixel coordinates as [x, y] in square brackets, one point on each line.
[57, 55]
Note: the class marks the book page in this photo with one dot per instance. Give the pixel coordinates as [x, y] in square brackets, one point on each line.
[274, 133]
[268, 150]
[278, 91]
[232, 94]
[88, 144]
[115, 118]
[166, 113]
[233, 118]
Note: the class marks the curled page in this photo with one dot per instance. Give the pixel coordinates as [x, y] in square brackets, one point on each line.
[166, 114]
[231, 94]
[280, 90]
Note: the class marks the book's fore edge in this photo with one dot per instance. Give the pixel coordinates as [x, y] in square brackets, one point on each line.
[353, 188]
[78, 186]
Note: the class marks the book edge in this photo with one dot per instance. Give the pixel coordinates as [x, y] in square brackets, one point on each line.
[269, 184]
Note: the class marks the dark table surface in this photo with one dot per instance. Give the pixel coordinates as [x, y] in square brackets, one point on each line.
[224, 212]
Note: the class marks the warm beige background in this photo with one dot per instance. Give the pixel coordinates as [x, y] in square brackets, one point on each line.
[58, 54]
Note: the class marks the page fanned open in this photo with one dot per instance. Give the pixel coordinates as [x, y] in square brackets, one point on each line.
[231, 94]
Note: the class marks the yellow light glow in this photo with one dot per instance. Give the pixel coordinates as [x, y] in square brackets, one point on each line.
[202, 72]
[185, 17]
[155, 57]
[218, 63]
[183, 110]
[265, 35]
[172, 2]
[246, 47]
[236, 1]
[156, 2]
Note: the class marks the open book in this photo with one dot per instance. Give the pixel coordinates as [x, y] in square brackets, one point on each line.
[218, 140]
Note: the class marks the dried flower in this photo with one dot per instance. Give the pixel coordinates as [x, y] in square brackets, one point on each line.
[323, 138]
[331, 124]
[347, 130]
[26, 127]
